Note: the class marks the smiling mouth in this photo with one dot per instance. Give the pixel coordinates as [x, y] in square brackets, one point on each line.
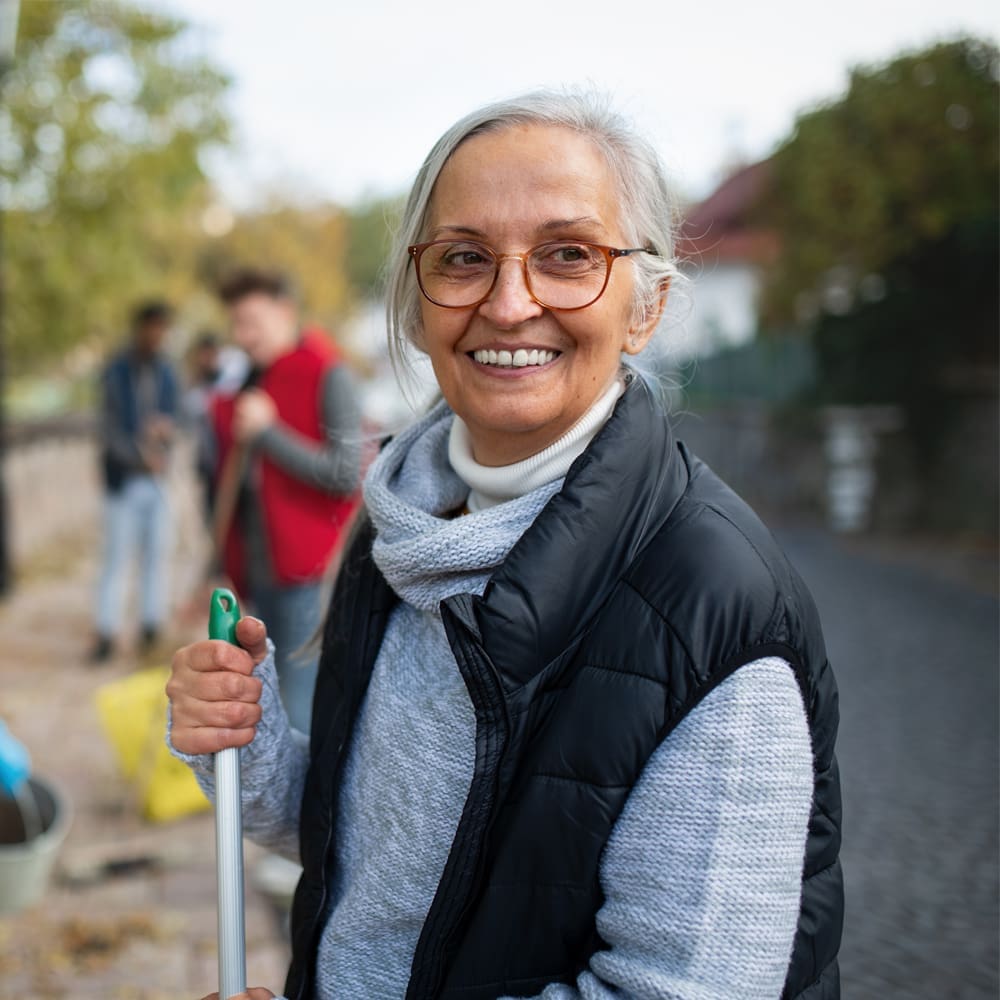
[520, 358]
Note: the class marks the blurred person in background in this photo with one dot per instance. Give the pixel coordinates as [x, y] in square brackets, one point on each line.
[138, 413]
[574, 726]
[287, 446]
[213, 367]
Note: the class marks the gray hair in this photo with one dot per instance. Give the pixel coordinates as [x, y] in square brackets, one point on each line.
[649, 211]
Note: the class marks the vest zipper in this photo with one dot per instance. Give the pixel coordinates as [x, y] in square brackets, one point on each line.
[358, 655]
[463, 869]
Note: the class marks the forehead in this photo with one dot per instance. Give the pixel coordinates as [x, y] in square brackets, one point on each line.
[254, 303]
[520, 178]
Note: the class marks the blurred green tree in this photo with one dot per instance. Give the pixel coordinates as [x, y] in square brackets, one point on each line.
[370, 227]
[904, 160]
[106, 113]
[887, 205]
[307, 242]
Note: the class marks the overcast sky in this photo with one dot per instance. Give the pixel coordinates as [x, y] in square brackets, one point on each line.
[342, 99]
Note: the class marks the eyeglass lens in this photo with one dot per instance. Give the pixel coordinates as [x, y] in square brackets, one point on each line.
[561, 275]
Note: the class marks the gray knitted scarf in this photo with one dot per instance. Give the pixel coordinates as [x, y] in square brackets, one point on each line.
[424, 552]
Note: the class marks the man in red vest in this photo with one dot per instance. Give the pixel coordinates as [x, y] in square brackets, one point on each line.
[288, 466]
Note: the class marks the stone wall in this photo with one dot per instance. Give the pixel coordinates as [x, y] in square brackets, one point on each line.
[54, 492]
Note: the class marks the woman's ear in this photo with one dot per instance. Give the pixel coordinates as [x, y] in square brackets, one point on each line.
[642, 329]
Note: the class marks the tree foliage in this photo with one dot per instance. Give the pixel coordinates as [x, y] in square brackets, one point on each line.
[906, 158]
[886, 203]
[105, 114]
[370, 228]
[307, 243]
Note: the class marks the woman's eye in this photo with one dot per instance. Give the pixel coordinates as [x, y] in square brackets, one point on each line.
[461, 257]
[564, 256]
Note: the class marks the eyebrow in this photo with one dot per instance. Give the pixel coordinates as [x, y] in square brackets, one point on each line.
[553, 225]
[583, 220]
[439, 231]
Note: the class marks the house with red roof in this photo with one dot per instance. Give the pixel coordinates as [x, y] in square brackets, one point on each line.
[723, 249]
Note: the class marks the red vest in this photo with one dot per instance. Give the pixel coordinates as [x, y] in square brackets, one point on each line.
[304, 525]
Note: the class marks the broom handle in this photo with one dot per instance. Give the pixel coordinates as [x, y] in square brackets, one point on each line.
[226, 498]
[224, 613]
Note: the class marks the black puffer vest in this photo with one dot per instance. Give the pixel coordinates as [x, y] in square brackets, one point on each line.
[643, 584]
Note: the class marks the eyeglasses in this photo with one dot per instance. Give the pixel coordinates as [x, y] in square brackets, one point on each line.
[559, 275]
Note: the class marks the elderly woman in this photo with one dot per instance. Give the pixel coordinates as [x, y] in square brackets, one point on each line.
[574, 726]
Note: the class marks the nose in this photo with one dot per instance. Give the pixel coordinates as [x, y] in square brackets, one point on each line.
[510, 301]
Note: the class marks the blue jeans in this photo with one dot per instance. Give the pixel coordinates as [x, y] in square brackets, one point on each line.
[292, 613]
[136, 522]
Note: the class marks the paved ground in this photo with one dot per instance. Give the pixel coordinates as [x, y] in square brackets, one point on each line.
[913, 635]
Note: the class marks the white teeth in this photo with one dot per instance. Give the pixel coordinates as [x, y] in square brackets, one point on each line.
[521, 358]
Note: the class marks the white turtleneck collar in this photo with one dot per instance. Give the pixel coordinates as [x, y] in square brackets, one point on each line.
[492, 485]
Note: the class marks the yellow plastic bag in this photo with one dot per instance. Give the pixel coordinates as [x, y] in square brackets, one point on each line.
[133, 713]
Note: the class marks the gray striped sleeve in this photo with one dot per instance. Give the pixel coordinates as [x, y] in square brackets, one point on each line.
[333, 465]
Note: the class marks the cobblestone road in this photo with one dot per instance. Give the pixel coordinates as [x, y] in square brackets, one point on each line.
[915, 654]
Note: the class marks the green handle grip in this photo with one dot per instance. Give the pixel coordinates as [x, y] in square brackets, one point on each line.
[223, 614]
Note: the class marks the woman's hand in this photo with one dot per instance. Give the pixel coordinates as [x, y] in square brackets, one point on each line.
[214, 700]
[254, 993]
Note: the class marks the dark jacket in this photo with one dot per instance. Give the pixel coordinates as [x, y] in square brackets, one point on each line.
[643, 584]
[123, 414]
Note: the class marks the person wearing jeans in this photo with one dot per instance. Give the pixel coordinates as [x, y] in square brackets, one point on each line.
[139, 398]
[136, 521]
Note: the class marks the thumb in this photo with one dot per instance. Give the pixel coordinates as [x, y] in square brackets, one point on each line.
[251, 634]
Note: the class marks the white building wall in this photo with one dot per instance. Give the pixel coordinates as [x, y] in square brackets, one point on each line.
[722, 308]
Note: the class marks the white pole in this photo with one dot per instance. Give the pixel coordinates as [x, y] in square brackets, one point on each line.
[229, 863]
[224, 613]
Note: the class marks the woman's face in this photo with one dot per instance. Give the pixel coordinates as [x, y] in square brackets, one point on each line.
[512, 190]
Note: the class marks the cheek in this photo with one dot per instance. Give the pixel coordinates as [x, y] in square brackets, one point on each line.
[439, 330]
[605, 338]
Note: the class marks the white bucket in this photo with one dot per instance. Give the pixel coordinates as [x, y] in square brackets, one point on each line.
[26, 864]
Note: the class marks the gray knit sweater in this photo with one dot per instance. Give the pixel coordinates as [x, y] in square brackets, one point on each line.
[702, 873]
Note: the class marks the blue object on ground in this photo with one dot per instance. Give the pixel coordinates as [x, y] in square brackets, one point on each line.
[15, 764]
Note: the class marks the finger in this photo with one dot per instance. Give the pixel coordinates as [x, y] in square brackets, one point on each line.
[211, 655]
[207, 727]
[208, 739]
[251, 634]
[218, 700]
[183, 690]
[254, 993]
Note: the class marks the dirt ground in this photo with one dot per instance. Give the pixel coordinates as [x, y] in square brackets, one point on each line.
[130, 910]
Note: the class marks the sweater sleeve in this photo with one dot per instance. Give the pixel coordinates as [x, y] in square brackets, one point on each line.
[702, 872]
[333, 465]
[273, 771]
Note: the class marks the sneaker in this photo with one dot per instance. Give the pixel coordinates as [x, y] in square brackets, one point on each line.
[150, 636]
[103, 649]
